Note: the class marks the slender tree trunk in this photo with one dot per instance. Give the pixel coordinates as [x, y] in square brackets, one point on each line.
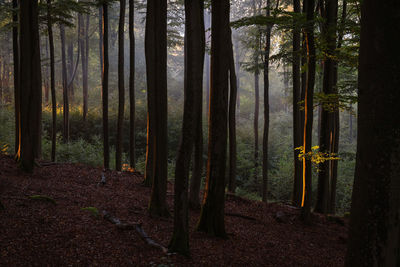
[327, 116]
[266, 105]
[194, 64]
[212, 212]
[237, 72]
[105, 64]
[256, 101]
[232, 121]
[374, 238]
[121, 86]
[52, 83]
[132, 104]
[308, 121]
[208, 84]
[46, 82]
[156, 69]
[336, 128]
[84, 42]
[296, 197]
[65, 87]
[101, 40]
[70, 65]
[16, 77]
[31, 85]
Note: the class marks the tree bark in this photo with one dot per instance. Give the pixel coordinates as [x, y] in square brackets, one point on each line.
[121, 86]
[327, 115]
[31, 85]
[194, 64]
[308, 121]
[105, 64]
[297, 185]
[374, 238]
[16, 77]
[52, 83]
[84, 41]
[132, 104]
[156, 69]
[65, 87]
[212, 212]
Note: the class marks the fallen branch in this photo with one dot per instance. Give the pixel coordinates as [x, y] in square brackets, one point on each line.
[240, 216]
[133, 226]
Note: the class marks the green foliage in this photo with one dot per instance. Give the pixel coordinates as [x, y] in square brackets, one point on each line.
[93, 210]
[43, 198]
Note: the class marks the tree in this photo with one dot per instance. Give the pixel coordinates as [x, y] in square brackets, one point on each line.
[84, 43]
[52, 82]
[374, 224]
[30, 84]
[65, 86]
[16, 75]
[156, 70]
[257, 96]
[327, 116]
[308, 109]
[132, 84]
[233, 86]
[297, 184]
[121, 86]
[212, 212]
[194, 64]
[105, 64]
[266, 102]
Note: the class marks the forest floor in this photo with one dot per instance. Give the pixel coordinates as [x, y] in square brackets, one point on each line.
[57, 232]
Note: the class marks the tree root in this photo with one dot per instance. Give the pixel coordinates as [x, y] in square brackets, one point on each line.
[133, 226]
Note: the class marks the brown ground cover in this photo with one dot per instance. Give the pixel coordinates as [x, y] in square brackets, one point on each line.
[36, 232]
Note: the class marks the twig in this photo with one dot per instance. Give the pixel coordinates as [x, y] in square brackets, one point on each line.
[240, 216]
[133, 226]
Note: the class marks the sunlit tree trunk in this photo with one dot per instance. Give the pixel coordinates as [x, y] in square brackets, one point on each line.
[297, 185]
[308, 117]
[374, 236]
[121, 86]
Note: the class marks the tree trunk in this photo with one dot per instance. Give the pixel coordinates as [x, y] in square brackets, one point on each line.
[16, 77]
[208, 84]
[266, 106]
[31, 85]
[101, 40]
[84, 41]
[296, 197]
[132, 104]
[308, 117]
[156, 69]
[52, 83]
[237, 72]
[327, 115]
[121, 86]
[374, 238]
[194, 64]
[232, 120]
[70, 65]
[212, 212]
[65, 87]
[46, 82]
[105, 64]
